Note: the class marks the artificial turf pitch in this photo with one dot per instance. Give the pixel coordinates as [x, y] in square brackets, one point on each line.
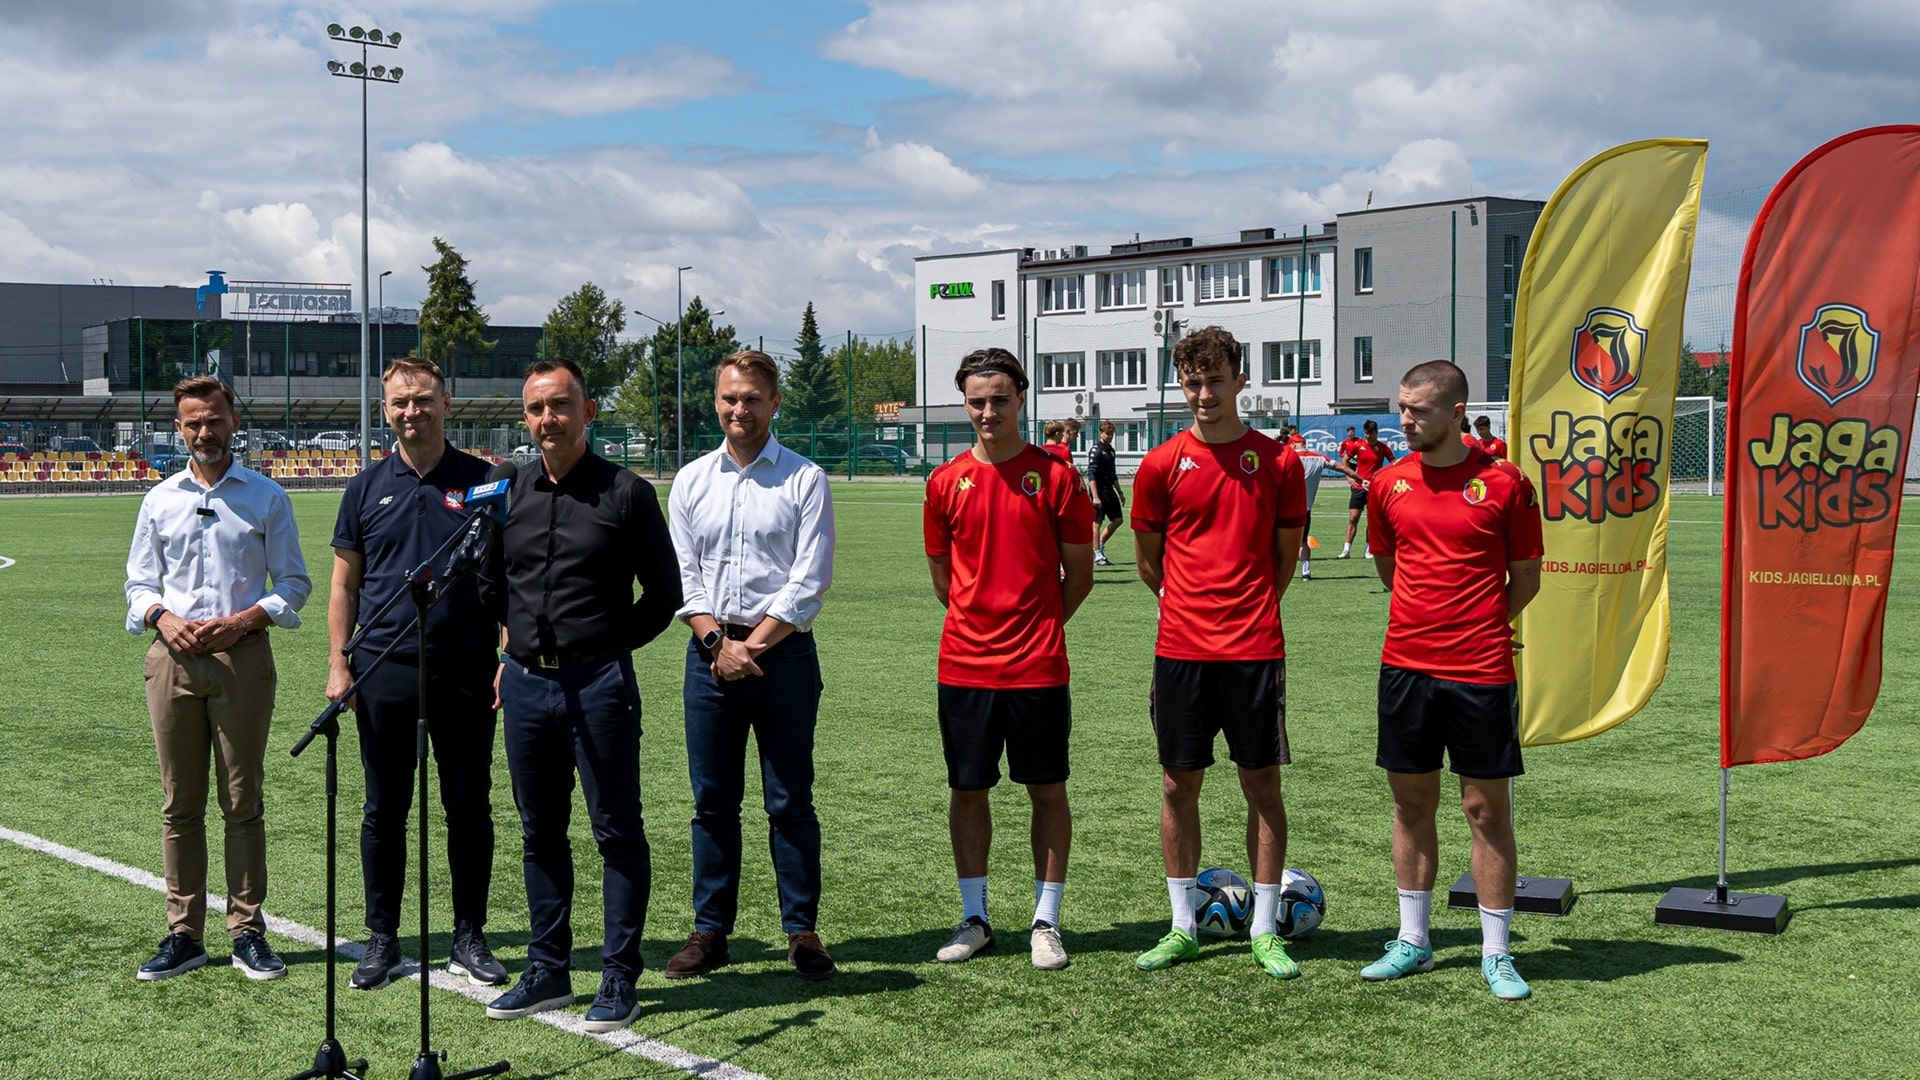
[1626, 815]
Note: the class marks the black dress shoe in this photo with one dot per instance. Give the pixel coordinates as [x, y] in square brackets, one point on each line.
[472, 958]
[178, 954]
[378, 963]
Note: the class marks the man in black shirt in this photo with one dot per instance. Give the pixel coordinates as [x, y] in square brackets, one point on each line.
[1106, 491]
[559, 576]
[394, 515]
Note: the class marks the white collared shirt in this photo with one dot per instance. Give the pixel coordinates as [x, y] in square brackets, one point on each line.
[753, 541]
[209, 552]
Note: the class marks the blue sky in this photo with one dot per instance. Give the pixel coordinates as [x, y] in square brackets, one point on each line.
[810, 151]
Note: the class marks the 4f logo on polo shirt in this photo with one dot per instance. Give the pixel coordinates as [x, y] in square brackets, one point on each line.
[1030, 483]
[1249, 462]
[386, 500]
[1475, 492]
[1187, 464]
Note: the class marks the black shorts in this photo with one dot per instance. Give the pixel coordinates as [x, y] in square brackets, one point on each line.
[1357, 500]
[1031, 725]
[1106, 505]
[1476, 725]
[1191, 701]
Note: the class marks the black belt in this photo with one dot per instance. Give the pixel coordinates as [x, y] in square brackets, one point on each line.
[736, 632]
[562, 661]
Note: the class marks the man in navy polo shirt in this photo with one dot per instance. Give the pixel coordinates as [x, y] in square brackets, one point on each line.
[394, 516]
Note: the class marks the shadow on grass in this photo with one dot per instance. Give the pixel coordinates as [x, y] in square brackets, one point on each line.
[1582, 960]
[1773, 878]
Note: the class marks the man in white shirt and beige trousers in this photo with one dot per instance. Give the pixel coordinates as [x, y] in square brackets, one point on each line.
[208, 541]
[752, 525]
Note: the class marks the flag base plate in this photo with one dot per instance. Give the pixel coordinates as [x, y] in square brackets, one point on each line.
[1749, 913]
[1533, 895]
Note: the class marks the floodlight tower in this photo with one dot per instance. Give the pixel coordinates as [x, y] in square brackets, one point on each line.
[364, 37]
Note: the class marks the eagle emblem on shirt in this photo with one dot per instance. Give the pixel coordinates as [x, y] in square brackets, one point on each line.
[1250, 462]
[1030, 483]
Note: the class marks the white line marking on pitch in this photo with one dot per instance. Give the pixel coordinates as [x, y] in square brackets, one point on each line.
[624, 1041]
[5, 562]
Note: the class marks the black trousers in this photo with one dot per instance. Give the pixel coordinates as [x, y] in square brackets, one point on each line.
[460, 726]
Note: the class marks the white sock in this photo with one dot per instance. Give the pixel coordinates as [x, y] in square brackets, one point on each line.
[1266, 910]
[1346, 548]
[973, 898]
[1495, 927]
[1416, 911]
[1046, 901]
[1306, 567]
[1180, 897]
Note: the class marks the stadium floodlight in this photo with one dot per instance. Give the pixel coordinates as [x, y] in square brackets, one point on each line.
[361, 70]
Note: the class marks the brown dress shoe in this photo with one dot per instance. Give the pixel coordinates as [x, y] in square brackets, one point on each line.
[704, 951]
[809, 958]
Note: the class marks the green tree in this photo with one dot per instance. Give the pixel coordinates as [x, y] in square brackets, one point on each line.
[1698, 381]
[883, 370]
[450, 321]
[584, 327]
[655, 374]
[813, 390]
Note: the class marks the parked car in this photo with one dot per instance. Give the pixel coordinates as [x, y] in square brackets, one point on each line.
[13, 449]
[73, 444]
[339, 441]
[524, 452]
[255, 442]
[870, 455]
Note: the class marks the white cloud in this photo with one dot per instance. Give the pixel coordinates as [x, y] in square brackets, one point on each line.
[920, 169]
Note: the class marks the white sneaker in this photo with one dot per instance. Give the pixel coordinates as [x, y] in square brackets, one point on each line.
[1369, 553]
[1048, 953]
[1100, 559]
[972, 937]
[1345, 553]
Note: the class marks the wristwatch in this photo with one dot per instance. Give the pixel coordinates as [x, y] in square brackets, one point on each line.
[711, 640]
[153, 620]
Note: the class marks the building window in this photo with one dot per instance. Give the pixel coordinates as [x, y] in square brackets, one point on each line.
[1363, 359]
[1172, 285]
[262, 363]
[1123, 289]
[1284, 277]
[1127, 436]
[1121, 368]
[999, 299]
[1061, 294]
[1221, 281]
[1362, 270]
[1063, 371]
[1285, 365]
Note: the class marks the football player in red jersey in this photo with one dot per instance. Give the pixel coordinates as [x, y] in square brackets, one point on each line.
[1368, 455]
[1457, 540]
[1009, 539]
[1494, 445]
[1218, 512]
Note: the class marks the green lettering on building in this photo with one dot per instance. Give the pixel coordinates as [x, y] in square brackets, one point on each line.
[952, 290]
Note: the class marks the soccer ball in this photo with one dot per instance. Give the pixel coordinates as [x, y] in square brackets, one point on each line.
[1302, 904]
[1222, 902]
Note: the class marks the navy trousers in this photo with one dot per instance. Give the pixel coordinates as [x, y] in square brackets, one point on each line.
[557, 722]
[779, 708]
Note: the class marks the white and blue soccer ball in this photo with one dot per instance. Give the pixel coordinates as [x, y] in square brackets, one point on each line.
[1303, 904]
[1223, 902]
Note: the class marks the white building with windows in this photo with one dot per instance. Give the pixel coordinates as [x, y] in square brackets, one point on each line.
[1095, 331]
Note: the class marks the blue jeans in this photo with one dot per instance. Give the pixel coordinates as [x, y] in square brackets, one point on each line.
[780, 708]
[554, 722]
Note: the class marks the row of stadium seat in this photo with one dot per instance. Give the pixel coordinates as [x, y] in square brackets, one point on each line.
[14, 471]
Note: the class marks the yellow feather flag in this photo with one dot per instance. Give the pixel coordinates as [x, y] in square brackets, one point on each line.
[1597, 338]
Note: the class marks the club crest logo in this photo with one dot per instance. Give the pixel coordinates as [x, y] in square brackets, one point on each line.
[965, 484]
[1837, 352]
[1030, 483]
[1608, 351]
[1249, 462]
[1475, 492]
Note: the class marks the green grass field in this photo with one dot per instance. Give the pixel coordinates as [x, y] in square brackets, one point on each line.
[1625, 815]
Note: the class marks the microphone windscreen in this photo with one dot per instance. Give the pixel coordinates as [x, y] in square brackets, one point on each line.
[506, 470]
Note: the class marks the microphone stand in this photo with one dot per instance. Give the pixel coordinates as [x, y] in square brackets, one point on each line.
[330, 1061]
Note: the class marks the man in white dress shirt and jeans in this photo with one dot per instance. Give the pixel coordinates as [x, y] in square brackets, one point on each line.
[752, 525]
[207, 543]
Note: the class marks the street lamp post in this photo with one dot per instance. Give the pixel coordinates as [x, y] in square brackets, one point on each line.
[679, 372]
[653, 358]
[380, 352]
[363, 37]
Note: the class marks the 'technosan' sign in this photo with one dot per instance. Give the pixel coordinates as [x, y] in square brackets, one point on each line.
[287, 298]
[952, 290]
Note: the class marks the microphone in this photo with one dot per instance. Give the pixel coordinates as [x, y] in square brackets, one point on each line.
[488, 502]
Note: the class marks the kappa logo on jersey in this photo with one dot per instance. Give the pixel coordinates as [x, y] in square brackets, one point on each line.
[1187, 464]
[1030, 483]
[1249, 462]
[965, 484]
[1608, 351]
[1837, 352]
[1400, 487]
[386, 500]
[1475, 492]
